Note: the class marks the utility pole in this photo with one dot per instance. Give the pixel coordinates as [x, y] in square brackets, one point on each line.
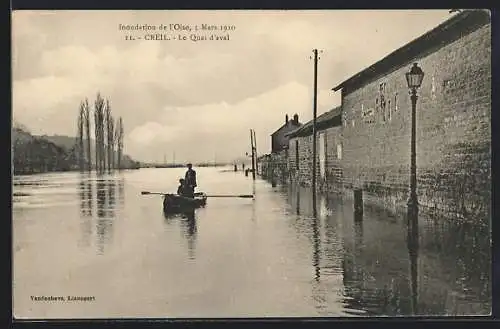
[253, 154]
[255, 151]
[315, 95]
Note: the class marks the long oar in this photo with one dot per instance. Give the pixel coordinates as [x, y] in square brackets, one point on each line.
[209, 196]
[158, 193]
[230, 196]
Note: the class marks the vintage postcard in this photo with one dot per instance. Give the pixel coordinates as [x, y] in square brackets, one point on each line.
[251, 163]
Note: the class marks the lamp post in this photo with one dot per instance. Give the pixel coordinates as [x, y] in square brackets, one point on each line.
[414, 79]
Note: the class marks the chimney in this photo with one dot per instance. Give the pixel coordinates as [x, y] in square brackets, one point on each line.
[296, 119]
[286, 119]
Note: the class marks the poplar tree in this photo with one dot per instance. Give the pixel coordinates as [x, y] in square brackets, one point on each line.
[79, 141]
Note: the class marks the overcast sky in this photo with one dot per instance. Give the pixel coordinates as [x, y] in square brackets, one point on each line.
[197, 99]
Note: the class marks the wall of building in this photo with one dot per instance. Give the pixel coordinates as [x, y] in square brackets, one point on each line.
[274, 167]
[453, 131]
[278, 139]
[262, 164]
[301, 172]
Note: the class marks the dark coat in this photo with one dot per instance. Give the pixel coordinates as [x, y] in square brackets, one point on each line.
[191, 178]
[183, 190]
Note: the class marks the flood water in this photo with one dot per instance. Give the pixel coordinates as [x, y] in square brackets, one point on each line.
[80, 235]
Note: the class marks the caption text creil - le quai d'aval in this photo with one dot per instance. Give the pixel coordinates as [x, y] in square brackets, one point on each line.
[177, 28]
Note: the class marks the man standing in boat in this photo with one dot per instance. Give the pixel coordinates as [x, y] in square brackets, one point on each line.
[190, 179]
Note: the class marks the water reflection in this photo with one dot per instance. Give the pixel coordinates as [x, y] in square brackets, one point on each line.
[463, 251]
[324, 265]
[379, 278]
[254, 216]
[104, 199]
[394, 266]
[314, 205]
[105, 211]
[120, 180]
[413, 244]
[111, 199]
[328, 248]
[358, 236]
[190, 232]
[318, 291]
[85, 192]
[353, 275]
[189, 228]
[316, 240]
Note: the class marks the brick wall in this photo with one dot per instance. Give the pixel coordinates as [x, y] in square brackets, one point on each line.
[274, 167]
[302, 174]
[453, 131]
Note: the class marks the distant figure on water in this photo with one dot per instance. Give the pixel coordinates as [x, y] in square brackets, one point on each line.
[190, 179]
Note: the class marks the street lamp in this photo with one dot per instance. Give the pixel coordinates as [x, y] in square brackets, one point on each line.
[414, 79]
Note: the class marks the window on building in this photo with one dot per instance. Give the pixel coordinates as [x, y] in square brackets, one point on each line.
[389, 110]
[382, 102]
[382, 108]
[382, 88]
[396, 106]
[339, 151]
[433, 88]
[367, 115]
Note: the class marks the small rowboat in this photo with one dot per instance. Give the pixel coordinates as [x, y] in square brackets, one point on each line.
[173, 203]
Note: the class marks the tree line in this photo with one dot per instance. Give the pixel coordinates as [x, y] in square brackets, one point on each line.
[32, 154]
[108, 136]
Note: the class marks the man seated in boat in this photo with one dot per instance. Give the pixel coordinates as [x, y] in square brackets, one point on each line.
[190, 179]
[183, 189]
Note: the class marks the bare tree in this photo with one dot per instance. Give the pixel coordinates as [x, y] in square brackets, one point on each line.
[79, 141]
[113, 142]
[104, 136]
[110, 135]
[99, 132]
[86, 124]
[119, 141]
[96, 133]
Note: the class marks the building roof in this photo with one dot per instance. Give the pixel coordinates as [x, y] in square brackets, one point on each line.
[445, 33]
[290, 123]
[326, 120]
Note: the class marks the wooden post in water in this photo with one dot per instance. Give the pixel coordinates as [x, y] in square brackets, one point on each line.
[358, 204]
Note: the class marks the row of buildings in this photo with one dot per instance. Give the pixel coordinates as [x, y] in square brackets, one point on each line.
[365, 142]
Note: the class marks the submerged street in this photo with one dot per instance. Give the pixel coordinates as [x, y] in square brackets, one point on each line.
[97, 237]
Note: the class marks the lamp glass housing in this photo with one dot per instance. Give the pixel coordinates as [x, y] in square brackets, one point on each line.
[415, 77]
